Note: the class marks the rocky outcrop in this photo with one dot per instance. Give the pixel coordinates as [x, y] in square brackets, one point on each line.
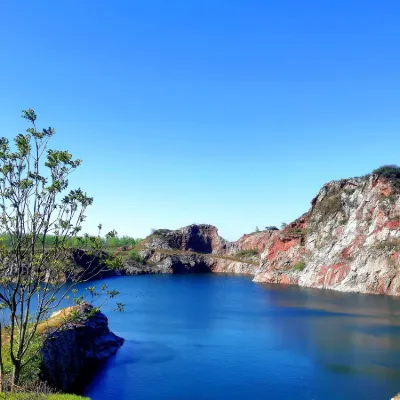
[70, 354]
[196, 238]
[349, 240]
[199, 248]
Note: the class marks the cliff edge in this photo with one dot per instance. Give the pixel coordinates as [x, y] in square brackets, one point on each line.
[349, 240]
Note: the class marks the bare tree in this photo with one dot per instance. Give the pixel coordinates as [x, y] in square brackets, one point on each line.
[41, 221]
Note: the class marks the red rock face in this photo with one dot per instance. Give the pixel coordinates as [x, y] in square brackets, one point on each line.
[355, 245]
[281, 245]
[257, 240]
[331, 275]
[349, 240]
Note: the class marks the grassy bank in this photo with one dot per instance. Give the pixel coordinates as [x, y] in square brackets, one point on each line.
[34, 396]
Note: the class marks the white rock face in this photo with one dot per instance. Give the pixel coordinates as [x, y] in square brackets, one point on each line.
[348, 241]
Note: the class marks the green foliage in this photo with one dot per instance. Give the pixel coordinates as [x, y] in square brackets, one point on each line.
[40, 221]
[299, 266]
[343, 221]
[247, 253]
[41, 396]
[271, 228]
[391, 172]
[257, 229]
[296, 231]
[330, 205]
[122, 241]
[30, 370]
[78, 242]
[136, 257]
[283, 225]
[389, 245]
[388, 171]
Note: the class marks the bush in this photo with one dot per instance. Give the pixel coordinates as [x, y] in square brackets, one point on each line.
[136, 257]
[247, 253]
[388, 171]
[389, 245]
[299, 266]
[271, 228]
[330, 205]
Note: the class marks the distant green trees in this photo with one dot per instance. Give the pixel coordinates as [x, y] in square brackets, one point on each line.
[122, 241]
[50, 241]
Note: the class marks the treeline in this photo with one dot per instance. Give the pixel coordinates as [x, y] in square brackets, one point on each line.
[80, 242]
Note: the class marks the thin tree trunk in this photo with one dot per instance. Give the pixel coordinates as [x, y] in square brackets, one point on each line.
[16, 373]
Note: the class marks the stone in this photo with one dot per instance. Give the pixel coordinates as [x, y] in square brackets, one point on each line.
[72, 353]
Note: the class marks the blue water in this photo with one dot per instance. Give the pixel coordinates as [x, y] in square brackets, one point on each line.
[226, 337]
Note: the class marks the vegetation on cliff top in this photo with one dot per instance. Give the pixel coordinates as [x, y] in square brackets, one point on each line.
[40, 396]
[390, 172]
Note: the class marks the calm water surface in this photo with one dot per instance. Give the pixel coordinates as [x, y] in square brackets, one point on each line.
[225, 337]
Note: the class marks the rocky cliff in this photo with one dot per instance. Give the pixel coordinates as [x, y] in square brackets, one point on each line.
[199, 248]
[349, 240]
[72, 353]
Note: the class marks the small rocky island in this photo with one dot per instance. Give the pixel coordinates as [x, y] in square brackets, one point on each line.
[72, 354]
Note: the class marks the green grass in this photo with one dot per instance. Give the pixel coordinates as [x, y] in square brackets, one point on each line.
[247, 253]
[299, 266]
[29, 396]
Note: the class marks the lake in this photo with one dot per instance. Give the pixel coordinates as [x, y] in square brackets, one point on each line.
[226, 337]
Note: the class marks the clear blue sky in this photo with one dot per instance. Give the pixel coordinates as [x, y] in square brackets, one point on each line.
[229, 112]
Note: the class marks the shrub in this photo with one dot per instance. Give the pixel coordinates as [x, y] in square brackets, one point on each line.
[391, 172]
[388, 171]
[393, 244]
[330, 205]
[271, 228]
[295, 231]
[247, 253]
[136, 257]
[299, 266]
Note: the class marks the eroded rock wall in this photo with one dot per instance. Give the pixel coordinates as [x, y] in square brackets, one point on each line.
[348, 241]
